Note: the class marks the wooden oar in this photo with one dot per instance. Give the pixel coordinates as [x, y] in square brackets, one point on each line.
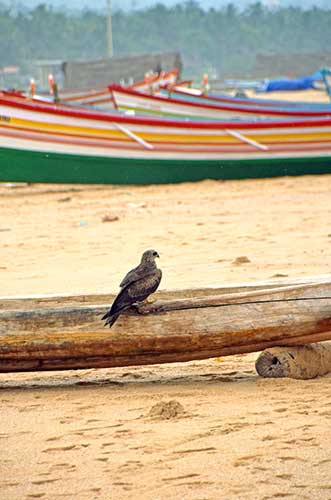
[133, 136]
[243, 138]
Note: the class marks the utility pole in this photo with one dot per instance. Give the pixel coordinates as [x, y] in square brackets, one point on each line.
[109, 31]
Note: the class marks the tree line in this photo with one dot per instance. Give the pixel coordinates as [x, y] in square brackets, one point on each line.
[224, 39]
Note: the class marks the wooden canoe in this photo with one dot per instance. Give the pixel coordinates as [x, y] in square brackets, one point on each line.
[57, 333]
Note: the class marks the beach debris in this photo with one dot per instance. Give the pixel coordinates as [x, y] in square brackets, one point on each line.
[136, 286]
[110, 218]
[300, 362]
[279, 275]
[83, 223]
[65, 199]
[137, 206]
[219, 360]
[15, 185]
[241, 260]
[167, 410]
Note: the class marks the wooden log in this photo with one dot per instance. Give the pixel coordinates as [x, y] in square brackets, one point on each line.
[172, 329]
[302, 362]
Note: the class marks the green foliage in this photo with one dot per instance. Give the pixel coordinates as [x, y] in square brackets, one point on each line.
[225, 39]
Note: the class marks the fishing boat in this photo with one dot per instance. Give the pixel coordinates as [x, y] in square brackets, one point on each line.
[66, 332]
[194, 94]
[102, 97]
[197, 107]
[45, 142]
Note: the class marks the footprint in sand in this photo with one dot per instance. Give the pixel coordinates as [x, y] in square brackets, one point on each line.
[54, 438]
[105, 445]
[180, 478]
[194, 450]
[44, 481]
[60, 448]
[289, 459]
[65, 466]
[284, 476]
[269, 438]
[246, 459]
[322, 462]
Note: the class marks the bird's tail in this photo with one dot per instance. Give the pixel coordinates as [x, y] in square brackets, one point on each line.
[111, 318]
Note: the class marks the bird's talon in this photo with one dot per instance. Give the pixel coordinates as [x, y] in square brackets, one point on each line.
[142, 307]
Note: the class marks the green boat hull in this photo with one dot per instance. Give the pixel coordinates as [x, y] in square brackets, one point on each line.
[31, 166]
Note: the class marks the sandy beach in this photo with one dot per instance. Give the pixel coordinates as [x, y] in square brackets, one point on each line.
[207, 430]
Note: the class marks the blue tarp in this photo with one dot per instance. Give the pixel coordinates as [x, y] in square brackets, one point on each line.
[306, 82]
[303, 83]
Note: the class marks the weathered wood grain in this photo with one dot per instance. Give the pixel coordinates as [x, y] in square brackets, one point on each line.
[302, 362]
[173, 328]
[67, 300]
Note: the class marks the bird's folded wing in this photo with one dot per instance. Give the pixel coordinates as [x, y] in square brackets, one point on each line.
[132, 276]
[143, 287]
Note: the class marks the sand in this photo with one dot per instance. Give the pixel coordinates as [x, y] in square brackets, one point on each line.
[318, 96]
[210, 430]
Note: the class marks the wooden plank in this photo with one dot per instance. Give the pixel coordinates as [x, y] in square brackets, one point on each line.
[173, 330]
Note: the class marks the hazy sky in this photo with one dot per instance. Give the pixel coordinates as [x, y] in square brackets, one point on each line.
[128, 4]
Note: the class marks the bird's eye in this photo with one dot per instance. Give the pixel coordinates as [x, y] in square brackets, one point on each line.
[155, 254]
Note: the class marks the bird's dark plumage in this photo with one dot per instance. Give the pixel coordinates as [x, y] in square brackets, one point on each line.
[136, 286]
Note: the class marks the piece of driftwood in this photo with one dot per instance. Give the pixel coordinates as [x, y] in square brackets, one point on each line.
[302, 362]
[56, 333]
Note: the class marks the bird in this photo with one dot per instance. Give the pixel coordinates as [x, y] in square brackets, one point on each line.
[136, 286]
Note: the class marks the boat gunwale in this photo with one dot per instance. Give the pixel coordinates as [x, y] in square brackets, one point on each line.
[66, 110]
[225, 107]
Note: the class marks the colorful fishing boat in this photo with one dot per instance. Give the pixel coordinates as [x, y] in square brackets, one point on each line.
[196, 107]
[184, 92]
[44, 142]
[102, 97]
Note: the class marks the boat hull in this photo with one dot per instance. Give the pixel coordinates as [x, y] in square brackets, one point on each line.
[18, 165]
[40, 142]
[203, 108]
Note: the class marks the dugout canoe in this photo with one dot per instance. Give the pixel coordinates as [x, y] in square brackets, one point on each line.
[196, 107]
[56, 333]
[46, 142]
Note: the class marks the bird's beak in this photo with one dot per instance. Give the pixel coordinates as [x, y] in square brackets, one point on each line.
[157, 255]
